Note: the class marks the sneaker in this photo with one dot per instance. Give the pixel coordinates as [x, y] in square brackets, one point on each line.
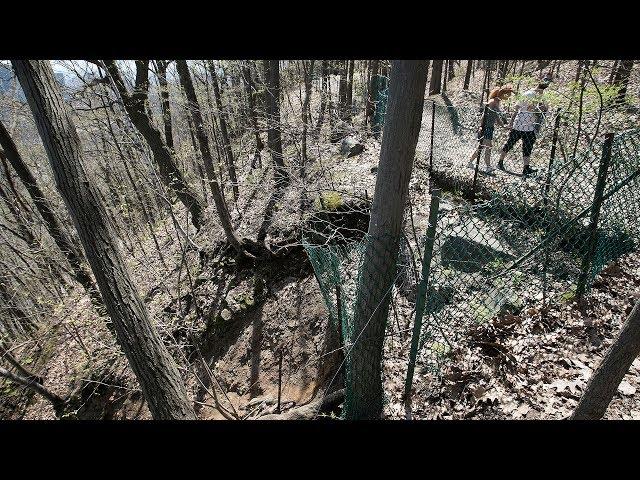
[501, 165]
[527, 170]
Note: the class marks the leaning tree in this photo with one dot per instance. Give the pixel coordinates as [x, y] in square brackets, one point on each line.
[157, 372]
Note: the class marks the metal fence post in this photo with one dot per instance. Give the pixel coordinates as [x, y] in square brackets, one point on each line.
[480, 147]
[422, 289]
[433, 124]
[587, 259]
[552, 156]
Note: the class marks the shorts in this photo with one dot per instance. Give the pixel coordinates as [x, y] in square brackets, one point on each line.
[528, 139]
[486, 134]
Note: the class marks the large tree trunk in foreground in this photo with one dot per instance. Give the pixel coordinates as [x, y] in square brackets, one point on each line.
[54, 227]
[136, 106]
[150, 360]
[402, 126]
[614, 366]
[203, 144]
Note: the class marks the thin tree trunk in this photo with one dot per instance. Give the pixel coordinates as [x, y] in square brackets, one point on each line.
[401, 129]
[614, 366]
[342, 90]
[135, 105]
[150, 360]
[324, 74]
[371, 106]
[53, 226]
[203, 143]
[306, 111]
[436, 77]
[248, 85]
[349, 99]
[612, 75]
[226, 144]
[274, 138]
[467, 75]
[621, 79]
[164, 102]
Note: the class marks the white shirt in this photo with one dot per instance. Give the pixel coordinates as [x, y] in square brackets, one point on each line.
[526, 120]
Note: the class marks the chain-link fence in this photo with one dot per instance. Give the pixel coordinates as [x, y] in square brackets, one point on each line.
[502, 241]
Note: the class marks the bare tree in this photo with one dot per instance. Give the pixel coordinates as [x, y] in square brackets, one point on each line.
[402, 126]
[150, 360]
[161, 68]
[203, 144]
[274, 136]
[54, 227]
[253, 112]
[226, 144]
[136, 106]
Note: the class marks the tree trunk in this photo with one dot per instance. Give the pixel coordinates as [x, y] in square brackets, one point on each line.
[135, 105]
[467, 75]
[450, 72]
[150, 360]
[274, 138]
[371, 107]
[349, 99]
[444, 78]
[306, 111]
[161, 66]
[402, 126]
[324, 75]
[226, 144]
[614, 68]
[54, 227]
[621, 79]
[249, 88]
[342, 91]
[203, 143]
[436, 77]
[605, 380]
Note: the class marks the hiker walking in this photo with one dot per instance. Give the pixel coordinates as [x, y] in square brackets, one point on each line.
[525, 124]
[492, 113]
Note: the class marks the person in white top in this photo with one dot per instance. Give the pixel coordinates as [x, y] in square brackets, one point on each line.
[525, 123]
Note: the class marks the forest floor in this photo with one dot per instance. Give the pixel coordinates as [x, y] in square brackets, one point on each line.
[531, 365]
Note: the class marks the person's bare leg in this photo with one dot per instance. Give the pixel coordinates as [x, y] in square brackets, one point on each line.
[473, 157]
[487, 153]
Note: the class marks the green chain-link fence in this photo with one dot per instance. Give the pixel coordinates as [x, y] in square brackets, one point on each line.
[501, 242]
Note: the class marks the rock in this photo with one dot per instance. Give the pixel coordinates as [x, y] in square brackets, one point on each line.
[226, 314]
[351, 147]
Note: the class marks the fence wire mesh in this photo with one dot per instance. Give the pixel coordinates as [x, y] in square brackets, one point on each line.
[503, 243]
